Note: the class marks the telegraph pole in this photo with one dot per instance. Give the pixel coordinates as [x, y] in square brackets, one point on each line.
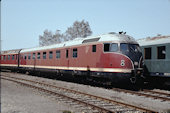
[0, 29]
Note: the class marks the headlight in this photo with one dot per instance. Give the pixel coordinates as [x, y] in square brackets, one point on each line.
[138, 72]
[136, 63]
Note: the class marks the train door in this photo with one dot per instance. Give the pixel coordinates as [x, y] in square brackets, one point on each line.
[19, 58]
[67, 57]
[148, 59]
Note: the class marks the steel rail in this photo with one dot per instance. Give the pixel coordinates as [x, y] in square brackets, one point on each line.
[141, 94]
[157, 92]
[101, 98]
[103, 110]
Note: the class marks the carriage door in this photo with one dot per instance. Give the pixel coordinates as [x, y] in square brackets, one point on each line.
[67, 57]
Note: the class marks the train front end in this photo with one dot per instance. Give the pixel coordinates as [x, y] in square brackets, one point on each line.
[123, 57]
[133, 52]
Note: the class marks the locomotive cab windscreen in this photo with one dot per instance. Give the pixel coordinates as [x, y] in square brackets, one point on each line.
[134, 48]
[133, 51]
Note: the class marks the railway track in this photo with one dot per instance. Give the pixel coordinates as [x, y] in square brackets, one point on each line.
[147, 93]
[83, 101]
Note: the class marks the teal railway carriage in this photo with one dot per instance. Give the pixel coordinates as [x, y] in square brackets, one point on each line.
[156, 54]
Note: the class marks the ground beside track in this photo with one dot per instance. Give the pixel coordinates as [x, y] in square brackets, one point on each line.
[20, 99]
[157, 105]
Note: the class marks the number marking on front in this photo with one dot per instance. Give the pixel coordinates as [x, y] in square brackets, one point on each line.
[122, 63]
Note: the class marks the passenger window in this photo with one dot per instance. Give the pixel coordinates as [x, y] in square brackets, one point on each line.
[161, 52]
[44, 55]
[4, 57]
[114, 47]
[148, 53]
[67, 53]
[57, 54]
[1, 57]
[38, 55]
[94, 48]
[29, 56]
[75, 53]
[50, 55]
[25, 56]
[13, 56]
[33, 56]
[106, 47]
[124, 47]
[8, 57]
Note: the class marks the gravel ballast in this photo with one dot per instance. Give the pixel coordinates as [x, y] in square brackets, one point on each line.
[11, 95]
[20, 99]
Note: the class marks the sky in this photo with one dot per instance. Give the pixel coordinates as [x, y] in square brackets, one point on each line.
[22, 21]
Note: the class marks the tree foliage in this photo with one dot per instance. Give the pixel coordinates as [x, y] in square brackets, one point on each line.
[78, 29]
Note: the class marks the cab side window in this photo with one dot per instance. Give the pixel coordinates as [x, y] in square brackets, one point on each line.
[93, 48]
[106, 47]
[111, 47]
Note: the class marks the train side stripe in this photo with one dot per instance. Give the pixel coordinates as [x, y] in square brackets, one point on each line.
[76, 68]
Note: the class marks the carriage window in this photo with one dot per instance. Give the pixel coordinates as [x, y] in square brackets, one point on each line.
[75, 53]
[38, 56]
[44, 55]
[148, 53]
[25, 56]
[4, 57]
[106, 47]
[50, 55]
[29, 56]
[8, 57]
[94, 48]
[67, 53]
[114, 47]
[124, 47]
[33, 56]
[1, 57]
[13, 56]
[161, 52]
[57, 54]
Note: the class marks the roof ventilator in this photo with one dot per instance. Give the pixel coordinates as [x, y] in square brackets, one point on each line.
[91, 40]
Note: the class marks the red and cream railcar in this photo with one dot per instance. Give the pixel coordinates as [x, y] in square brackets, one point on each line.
[114, 56]
[9, 59]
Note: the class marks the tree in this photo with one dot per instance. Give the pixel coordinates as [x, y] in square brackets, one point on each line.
[57, 37]
[78, 29]
[46, 39]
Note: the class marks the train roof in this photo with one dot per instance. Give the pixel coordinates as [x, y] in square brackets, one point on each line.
[91, 39]
[14, 51]
[154, 41]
